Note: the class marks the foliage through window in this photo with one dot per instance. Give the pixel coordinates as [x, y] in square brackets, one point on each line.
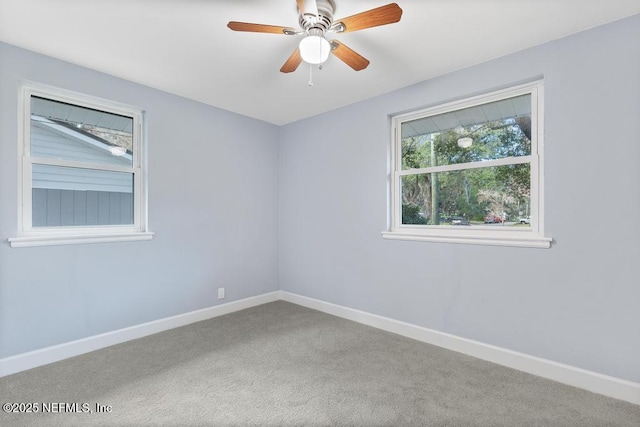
[470, 171]
[81, 171]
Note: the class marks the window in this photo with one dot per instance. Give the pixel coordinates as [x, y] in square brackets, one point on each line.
[470, 171]
[81, 176]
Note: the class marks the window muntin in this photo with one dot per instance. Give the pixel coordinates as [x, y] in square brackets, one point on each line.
[470, 168]
[81, 176]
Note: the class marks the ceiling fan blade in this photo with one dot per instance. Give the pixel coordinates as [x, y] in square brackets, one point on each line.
[382, 15]
[260, 28]
[292, 63]
[308, 7]
[349, 56]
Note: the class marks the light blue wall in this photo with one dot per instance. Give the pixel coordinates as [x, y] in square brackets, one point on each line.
[213, 191]
[577, 303]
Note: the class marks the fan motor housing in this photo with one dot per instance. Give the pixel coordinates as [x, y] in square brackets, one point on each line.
[322, 21]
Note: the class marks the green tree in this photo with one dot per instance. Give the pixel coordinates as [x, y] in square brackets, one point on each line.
[470, 193]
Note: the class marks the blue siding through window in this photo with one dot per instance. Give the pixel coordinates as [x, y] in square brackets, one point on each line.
[54, 208]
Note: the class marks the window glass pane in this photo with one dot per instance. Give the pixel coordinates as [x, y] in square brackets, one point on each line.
[490, 131]
[484, 196]
[64, 196]
[71, 132]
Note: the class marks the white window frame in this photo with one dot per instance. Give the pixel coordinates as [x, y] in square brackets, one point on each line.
[62, 235]
[532, 236]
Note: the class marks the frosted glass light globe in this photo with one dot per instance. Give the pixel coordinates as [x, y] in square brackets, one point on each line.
[314, 49]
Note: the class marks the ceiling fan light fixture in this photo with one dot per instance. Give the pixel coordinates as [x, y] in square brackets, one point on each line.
[314, 49]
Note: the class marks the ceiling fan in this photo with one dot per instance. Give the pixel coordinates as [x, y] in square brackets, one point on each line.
[316, 21]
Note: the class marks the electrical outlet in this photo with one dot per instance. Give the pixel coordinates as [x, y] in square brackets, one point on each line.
[220, 293]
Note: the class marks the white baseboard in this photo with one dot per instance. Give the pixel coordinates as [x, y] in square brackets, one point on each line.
[566, 374]
[32, 359]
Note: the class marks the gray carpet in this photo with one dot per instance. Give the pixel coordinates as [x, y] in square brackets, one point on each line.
[282, 364]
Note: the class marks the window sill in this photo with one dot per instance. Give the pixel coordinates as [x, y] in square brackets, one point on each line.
[528, 240]
[74, 239]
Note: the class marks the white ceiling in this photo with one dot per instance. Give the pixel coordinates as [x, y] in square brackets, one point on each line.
[184, 46]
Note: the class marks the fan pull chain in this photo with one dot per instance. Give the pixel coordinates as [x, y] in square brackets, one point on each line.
[310, 74]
